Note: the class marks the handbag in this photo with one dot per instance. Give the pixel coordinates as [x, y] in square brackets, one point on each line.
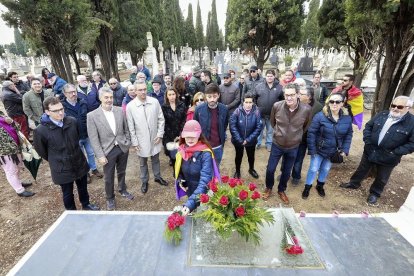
[337, 157]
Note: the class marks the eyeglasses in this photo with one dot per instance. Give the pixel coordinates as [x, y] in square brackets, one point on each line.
[225, 78]
[252, 71]
[112, 83]
[71, 92]
[398, 106]
[332, 102]
[57, 110]
[290, 96]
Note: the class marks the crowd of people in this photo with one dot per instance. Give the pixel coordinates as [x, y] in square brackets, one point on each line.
[189, 117]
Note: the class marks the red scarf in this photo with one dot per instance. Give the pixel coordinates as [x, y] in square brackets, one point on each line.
[187, 152]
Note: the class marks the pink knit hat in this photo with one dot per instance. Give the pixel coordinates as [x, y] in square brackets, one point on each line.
[191, 128]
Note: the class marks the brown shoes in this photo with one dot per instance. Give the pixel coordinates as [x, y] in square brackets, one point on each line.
[283, 197]
[266, 194]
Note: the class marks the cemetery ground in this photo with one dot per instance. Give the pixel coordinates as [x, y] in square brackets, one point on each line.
[24, 220]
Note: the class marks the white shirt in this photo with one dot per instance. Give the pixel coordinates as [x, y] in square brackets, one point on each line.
[388, 123]
[110, 117]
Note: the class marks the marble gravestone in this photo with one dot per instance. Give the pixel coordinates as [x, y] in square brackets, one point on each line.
[131, 243]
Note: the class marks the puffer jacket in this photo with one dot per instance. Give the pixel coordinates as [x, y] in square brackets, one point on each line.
[230, 96]
[119, 94]
[13, 102]
[250, 84]
[321, 133]
[398, 140]
[197, 172]
[60, 147]
[266, 97]
[245, 126]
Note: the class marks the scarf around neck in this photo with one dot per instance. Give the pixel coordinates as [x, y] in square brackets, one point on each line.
[187, 152]
[9, 129]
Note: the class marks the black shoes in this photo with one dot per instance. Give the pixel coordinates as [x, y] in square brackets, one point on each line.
[110, 204]
[237, 175]
[305, 192]
[91, 207]
[161, 181]
[127, 195]
[253, 173]
[372, 199]
[320, 190]
[26, 194]
[26, 184]
[144, 187]
[349, 186]
[295, 181]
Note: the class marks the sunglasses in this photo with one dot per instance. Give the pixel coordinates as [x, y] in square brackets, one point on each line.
[112, 83]
[226, 77]
[199, 100]
[337, 102]
[252, 71]
[398, 106]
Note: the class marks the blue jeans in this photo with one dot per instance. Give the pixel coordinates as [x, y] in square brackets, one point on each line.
[320, 165]
[85, 144]
[218, 154]
[269, 133]
[297, 167]
[276, 154]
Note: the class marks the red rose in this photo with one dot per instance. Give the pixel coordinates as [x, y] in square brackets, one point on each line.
[255, 195]
[225, 179]
[171, 226]
[240, 211]
[224, 200]
[294, 250]
[180, 220]
[233, 182]
[204, 198]
[239, 182]
[252, 186]
[243, 194]
[213, 186]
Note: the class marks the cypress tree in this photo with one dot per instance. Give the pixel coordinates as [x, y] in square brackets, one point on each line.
[199, 28]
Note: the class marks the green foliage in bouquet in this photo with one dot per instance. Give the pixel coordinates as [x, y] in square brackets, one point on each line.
[233, 207]
[172, 232]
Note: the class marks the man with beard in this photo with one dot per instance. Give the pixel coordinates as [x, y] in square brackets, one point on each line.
[387, 137]
[57, 84]
[253, 80]
[289, 119]
[213, 118]
[229, 94]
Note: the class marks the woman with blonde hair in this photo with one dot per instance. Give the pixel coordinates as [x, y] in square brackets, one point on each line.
[198, 99]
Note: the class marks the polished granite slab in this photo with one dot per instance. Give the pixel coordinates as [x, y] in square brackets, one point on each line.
[131, 243]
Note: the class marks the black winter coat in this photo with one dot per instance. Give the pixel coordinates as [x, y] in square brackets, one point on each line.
[119, 94]
[398, 141]
[266, 97]
[13, 102]
[174, 121]
[60, 147]
[79, 114]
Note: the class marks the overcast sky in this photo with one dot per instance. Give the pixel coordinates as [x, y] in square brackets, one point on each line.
[6, 36]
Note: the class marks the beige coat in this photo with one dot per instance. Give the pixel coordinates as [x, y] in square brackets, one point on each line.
[146, 123]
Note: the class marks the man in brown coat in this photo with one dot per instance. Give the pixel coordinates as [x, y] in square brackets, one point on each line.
[289, 119]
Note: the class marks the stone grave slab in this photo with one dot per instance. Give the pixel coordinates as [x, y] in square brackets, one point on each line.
[131, 243]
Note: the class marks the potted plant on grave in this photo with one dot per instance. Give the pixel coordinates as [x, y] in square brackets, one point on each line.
[232, 207]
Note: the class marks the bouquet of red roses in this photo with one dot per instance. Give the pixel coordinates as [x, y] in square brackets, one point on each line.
[172, 232]
[290, 243]
[232, 206]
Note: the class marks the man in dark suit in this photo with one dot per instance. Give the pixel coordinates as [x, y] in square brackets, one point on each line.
[110, 139]
[388, 136]
[56, 140]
